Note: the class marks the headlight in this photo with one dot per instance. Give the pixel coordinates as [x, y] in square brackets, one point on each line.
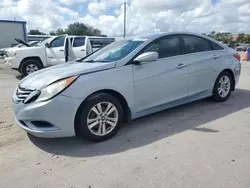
[55, 88]
[11, 53]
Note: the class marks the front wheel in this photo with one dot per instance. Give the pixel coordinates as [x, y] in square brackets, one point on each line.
[30, 66]
[99, 118]
[223, 87]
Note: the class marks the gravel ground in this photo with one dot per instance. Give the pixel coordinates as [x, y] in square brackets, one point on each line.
[202, 144]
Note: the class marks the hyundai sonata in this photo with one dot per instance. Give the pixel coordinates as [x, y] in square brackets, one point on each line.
[93, 96]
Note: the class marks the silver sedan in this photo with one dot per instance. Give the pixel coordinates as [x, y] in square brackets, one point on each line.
[92, 97]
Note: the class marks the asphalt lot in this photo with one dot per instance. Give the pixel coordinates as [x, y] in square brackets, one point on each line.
[202, 144]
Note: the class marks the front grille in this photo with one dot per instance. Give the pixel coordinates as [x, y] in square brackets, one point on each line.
[21, 94]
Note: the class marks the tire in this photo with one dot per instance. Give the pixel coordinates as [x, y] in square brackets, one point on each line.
[33, 64]
[222, 89]
[86, 113]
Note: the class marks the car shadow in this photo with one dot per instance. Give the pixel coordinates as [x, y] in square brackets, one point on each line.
[150, 129]
[19, 77]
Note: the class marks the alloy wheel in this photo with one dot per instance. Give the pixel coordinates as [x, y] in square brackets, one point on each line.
[102, 118]
[224, 86]
[31, 68]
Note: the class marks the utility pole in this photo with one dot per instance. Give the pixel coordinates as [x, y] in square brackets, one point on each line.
[124, 32]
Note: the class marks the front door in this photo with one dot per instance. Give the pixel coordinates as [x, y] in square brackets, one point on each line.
[56, 51]
[163, 81]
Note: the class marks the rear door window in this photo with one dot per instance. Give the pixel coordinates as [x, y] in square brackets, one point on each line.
[215, 46]
[194, 44]
[79, 41]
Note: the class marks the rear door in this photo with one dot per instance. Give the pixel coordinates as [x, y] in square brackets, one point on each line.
[56, 50]
[79, 47]
[200, 62]
[89, 48]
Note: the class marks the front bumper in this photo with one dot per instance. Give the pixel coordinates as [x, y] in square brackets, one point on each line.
[59, 114]
[13, 62]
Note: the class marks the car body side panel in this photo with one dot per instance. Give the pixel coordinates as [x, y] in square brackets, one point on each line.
[171, 104]
[201, 72]
[40, 52]
[159, 82]
[227, 61]
[119, 79]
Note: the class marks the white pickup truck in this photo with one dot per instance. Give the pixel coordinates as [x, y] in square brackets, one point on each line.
[52, 51]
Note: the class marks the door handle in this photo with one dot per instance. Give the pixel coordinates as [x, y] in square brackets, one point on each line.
[61, 50]
[82, 50]
[216, 56]
[181, 65]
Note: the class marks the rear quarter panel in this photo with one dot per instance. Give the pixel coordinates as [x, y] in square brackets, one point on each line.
[228, 61]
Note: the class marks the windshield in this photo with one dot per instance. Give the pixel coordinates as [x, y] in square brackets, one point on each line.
[33, 43]
[42, 43]
[18, 45]
[114, 52]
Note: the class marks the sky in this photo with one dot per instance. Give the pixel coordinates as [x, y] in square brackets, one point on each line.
[143, 16]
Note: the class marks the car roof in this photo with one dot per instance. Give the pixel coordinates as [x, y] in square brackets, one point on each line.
[157, 35]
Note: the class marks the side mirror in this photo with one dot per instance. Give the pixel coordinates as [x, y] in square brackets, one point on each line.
[147, 57]
[47, 45]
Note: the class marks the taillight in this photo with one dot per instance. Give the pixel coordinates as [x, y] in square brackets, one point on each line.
[237, 56]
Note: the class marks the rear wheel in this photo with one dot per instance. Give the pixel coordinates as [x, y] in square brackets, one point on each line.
[223, 87]
[30, 66]
[100, 118]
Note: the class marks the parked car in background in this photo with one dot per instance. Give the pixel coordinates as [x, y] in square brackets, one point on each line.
[242, 47]
[93, 96]
[21, 44]
[52, 51]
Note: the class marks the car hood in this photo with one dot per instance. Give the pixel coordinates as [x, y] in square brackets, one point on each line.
[44, 77]
[25, 49]
[22, 42]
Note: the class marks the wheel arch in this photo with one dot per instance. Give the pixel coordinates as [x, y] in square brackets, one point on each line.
[232, 74]
[116, 94]
[37, 58]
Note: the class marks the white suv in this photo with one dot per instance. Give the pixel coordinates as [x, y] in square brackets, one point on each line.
[52, 51]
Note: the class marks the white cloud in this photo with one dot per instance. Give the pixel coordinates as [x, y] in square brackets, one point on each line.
[71, 2]
[142, 16]
[44, 15]
[183, 15]
[100, 7]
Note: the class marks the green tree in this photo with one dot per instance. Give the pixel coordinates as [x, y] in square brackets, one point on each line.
[52, 33]
[212, 34]
[224, 37]
[35, 32]
[247, 38]
[60, 32]
[240, 37]
[78, 28]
